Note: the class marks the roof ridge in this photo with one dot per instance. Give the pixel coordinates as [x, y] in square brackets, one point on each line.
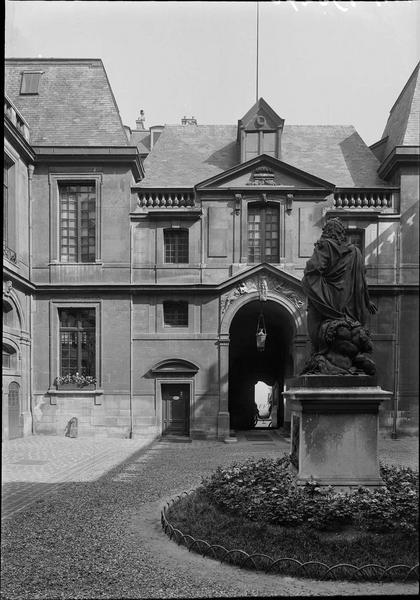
[40, 59]
[235, 125]
[416, 68]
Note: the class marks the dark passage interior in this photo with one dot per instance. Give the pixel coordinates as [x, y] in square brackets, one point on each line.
[247, 365]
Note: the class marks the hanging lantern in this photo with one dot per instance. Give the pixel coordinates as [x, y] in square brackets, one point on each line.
[261, 333]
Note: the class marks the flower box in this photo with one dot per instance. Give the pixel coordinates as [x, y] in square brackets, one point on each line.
[75, 386]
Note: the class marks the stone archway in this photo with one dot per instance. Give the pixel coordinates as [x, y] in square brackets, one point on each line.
[247, 365]
[284, 295]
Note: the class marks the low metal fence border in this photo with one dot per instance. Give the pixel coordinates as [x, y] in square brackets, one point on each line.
[262, 562]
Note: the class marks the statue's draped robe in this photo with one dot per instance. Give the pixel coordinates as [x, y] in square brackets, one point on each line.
[334, 282]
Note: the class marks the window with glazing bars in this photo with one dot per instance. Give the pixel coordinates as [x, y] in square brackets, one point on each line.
[263, 233]
[175, 313]
[357, 238]
[77, 341]
[176, 245]
[77, 222]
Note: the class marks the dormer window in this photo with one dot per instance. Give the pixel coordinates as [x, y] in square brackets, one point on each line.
[30, 82]
[259, 132]
[260, 142]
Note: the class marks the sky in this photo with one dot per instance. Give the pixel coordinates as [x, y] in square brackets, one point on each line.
[319, 62]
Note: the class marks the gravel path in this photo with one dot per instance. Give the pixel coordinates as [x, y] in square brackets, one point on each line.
[102, 539]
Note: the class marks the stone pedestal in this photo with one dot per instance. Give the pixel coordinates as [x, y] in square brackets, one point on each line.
[334, 429]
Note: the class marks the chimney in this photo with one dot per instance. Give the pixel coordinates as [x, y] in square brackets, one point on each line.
[140, 121]
[189, 121]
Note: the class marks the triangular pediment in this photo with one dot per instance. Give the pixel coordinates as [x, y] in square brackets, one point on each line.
[261, 116]
[268, 172]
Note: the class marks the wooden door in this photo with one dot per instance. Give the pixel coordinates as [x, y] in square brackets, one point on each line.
[15, 429]
[176, 408]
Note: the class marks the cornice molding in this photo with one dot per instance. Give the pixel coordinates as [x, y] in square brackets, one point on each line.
[17, 140]
[104, 154]
[400, 155]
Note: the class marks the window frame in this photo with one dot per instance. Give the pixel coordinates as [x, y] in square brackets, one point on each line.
[273, 259]
[65, 205]
[79, 332]
[177, 251]
[260, 143]
[358, 231]
[57, 179]
[34, 88]
[12, 353]
[165, 306]
[10, 237]
[55, 349]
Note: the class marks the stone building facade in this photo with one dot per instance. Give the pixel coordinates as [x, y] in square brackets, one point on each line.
[148, 258]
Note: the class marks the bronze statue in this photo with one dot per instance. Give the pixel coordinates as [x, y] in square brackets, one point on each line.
[338, 304]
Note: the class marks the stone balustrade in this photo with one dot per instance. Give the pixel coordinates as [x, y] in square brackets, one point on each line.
[16, 118]
[380, 199]
[166, 199]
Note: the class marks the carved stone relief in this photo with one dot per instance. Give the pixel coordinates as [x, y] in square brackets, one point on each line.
[261, 284]
[7, 288]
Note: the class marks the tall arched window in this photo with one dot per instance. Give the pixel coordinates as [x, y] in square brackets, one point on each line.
[263, 233]
[175, 245]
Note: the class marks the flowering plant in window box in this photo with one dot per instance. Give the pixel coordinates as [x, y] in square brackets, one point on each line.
[75, 381]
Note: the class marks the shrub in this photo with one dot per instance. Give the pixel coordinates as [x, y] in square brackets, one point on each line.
[266, 490]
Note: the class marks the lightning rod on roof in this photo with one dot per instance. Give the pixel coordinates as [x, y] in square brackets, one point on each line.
[258, 26]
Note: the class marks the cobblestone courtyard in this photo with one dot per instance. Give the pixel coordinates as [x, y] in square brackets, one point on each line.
[106, 495]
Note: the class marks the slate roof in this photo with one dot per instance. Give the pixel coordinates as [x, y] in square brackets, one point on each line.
[403, 126]
[142, 140]
[75, 105]
[185, 155]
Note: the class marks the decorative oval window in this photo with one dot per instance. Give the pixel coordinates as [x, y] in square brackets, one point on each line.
[260, 121]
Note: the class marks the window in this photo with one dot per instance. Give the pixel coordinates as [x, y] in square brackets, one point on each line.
[175, 314]
[8, 356]
[251, 147]
[176, 245]
[263, 233]
[77, 341]
[260, 142]
[77, 222]
[30, 82]
[269, 143]
[357, 238]
[10, 316]
[9, 235]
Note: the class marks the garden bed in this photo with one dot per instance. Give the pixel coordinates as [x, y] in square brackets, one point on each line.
[255, 515]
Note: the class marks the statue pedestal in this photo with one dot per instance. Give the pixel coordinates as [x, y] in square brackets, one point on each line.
[334, 429]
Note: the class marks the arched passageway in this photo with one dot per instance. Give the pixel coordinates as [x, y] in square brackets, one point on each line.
[247, 365]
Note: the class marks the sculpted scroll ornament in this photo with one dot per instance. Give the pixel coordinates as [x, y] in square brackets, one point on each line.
[262, 285]
[7, 288]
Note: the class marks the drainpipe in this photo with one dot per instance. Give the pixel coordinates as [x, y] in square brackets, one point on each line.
[31, 299]
[394, 433]
[130, 434]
